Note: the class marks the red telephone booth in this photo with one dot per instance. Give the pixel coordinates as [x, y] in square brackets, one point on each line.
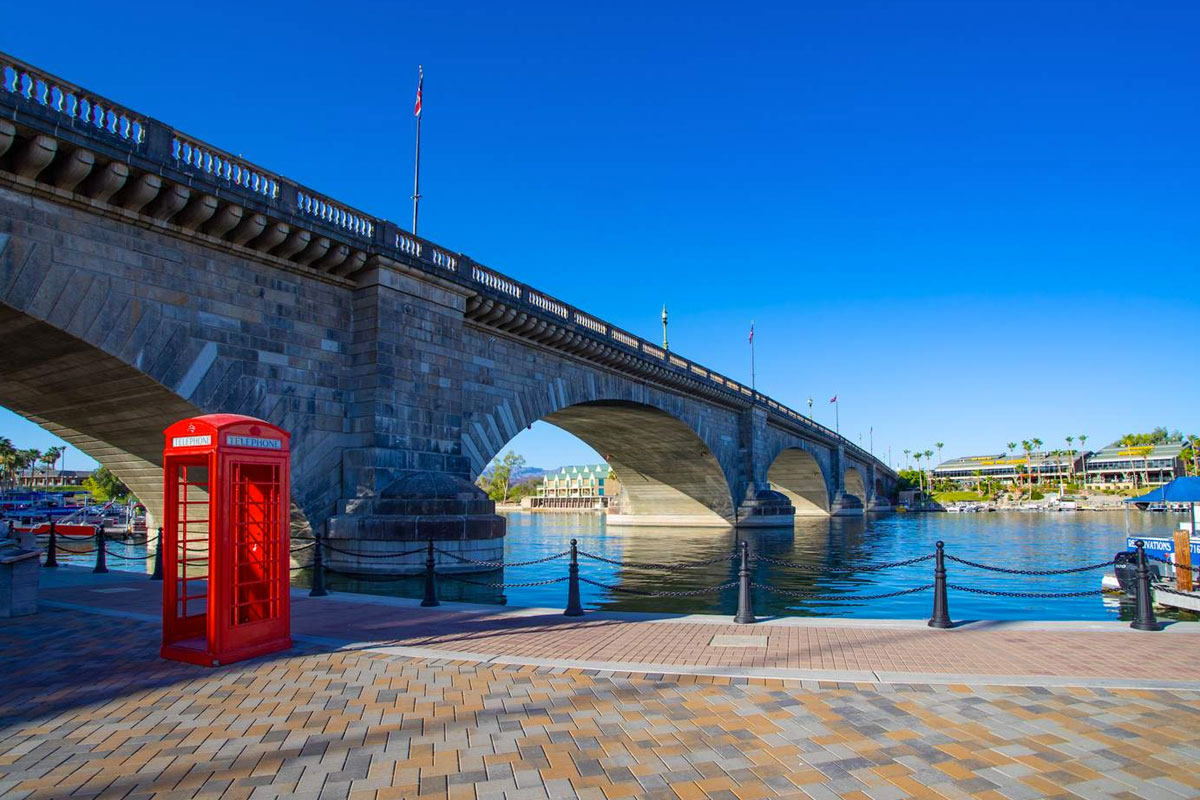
[225, 539]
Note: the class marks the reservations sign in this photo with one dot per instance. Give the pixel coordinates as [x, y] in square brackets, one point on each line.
[1162, 546]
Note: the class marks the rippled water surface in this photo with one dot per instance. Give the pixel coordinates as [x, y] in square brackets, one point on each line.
[846, 545]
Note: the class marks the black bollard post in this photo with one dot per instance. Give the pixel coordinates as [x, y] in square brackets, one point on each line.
[52, 548]
[158, 560]
[1143, 618]
[745, 610]
[101, 561]
[430, 580]
[574, 607]
[12, 529]
[318, 582]
[941, 605]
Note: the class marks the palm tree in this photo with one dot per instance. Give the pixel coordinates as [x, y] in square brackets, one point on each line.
[1027, 446]
[939, 446]
[30, 459]
[1010, 447]
[1083, 449]
[906, 452]
[929, 457]
[1071, 455]
[8, 459]
[920, 480]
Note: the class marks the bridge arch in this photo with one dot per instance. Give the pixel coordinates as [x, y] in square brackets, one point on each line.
[669, 473]
[854, 486]
[797, 474]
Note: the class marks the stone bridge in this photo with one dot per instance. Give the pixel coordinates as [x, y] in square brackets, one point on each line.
[146, 276]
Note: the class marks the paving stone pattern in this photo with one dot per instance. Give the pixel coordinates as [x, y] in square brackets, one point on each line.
[87, 709]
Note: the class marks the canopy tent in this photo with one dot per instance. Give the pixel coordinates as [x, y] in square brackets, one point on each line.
[1180, 490]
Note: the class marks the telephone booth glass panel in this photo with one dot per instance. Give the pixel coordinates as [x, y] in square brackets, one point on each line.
[256, 543]
[193, 515]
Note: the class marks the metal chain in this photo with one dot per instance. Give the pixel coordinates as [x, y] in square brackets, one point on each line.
[128, 558]
[302, 547]
[368, 577]
[499, 564]
[1039, 595]
[864, 568]
[1009, 571]
[60, 549]
[683, 593]
[297, 569]
[1195, 568]
[819, 596]
[667, 567]
[1158, 587]
[501, 585]
[371, 555]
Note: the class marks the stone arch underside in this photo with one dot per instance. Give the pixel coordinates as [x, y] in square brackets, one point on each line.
[855, 486]
[667, 472]
[796, 473]
[95, 401]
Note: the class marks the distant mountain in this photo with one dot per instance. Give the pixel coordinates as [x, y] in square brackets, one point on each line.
[530, 473]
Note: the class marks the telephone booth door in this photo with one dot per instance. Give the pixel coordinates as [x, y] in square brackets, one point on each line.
[225, 539]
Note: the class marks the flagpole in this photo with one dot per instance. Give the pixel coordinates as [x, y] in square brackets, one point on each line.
[416, 197]
[837, 417]
[753, 387]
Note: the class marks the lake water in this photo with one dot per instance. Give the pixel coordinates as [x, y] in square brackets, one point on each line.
[1014, 540]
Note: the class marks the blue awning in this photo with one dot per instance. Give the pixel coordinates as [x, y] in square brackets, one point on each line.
[1180, 490]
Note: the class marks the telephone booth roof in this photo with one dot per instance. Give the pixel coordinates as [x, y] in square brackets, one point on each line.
[227, 430]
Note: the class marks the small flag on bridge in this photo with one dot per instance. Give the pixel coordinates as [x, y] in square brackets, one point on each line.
[833, 399]
[417, 105]
[751, 333]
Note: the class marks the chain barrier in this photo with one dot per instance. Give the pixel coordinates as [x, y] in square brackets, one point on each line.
[1158, 587]
[363, 576]
[523, 585]
[500, 564]
[88, 552]
[665, 567]
[779, 562]
[297, 569]
[819, 596]
[120, 557]
[1195, 568]
[641, 593]
[1037, 595]
[303, 547]
[1010, 571]
[328, 546]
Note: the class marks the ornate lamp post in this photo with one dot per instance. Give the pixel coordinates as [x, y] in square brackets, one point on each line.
[664, 319]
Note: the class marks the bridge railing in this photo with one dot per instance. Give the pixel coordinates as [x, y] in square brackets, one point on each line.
[165, 147]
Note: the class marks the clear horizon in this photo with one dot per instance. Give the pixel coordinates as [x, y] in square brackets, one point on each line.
[973, 224]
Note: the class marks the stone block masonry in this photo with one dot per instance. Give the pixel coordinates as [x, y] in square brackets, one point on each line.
[146, 276]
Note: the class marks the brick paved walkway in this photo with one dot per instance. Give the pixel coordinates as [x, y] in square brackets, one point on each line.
[87, 709]
[1104, 654]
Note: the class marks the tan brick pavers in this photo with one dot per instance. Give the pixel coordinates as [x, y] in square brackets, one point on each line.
[88, 709]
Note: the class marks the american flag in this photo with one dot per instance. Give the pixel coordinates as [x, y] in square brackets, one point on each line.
[420, 80]
[833, 399]
[751, 333]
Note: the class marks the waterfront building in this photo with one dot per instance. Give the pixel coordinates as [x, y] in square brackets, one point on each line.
[583, 486]
[1120, 466]
[41, 478]
[1038, 468]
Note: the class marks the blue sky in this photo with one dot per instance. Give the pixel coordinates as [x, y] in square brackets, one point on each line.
[974, 222]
